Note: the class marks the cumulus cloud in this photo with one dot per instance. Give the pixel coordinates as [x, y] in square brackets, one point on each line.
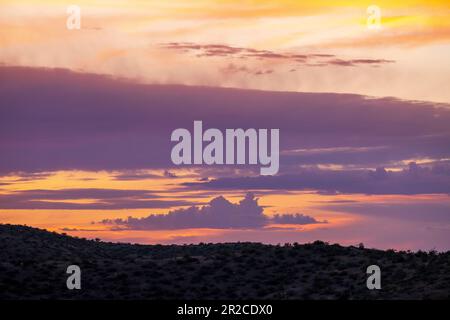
[219, 213]
[296, 218]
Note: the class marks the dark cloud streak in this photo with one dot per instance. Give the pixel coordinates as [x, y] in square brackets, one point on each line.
[414, 180]
[312, 59]
[100, 199]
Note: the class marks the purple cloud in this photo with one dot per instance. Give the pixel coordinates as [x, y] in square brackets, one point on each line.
[59, 120]
[413, 180]
[418, 211]
[219, 214]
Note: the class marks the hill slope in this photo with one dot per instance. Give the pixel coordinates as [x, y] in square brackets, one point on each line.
[33, 265]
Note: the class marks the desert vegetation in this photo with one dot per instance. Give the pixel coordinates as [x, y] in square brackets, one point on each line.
[33, 265]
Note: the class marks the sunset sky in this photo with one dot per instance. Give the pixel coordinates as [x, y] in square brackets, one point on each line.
[364, 119]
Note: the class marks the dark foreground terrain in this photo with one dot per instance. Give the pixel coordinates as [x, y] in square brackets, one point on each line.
[33, 265]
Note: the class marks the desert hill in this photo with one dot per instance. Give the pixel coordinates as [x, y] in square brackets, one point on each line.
[33, 265]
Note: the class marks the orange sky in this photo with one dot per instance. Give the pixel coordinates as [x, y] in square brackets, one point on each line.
[124, 38]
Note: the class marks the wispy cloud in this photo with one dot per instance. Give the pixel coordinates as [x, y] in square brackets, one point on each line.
[86, 199]
[294, 59]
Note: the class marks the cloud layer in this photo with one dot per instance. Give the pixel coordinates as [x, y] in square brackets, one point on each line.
[79, 121]
[413, 180]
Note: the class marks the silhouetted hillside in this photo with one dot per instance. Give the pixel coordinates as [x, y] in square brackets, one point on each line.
[33, 265]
